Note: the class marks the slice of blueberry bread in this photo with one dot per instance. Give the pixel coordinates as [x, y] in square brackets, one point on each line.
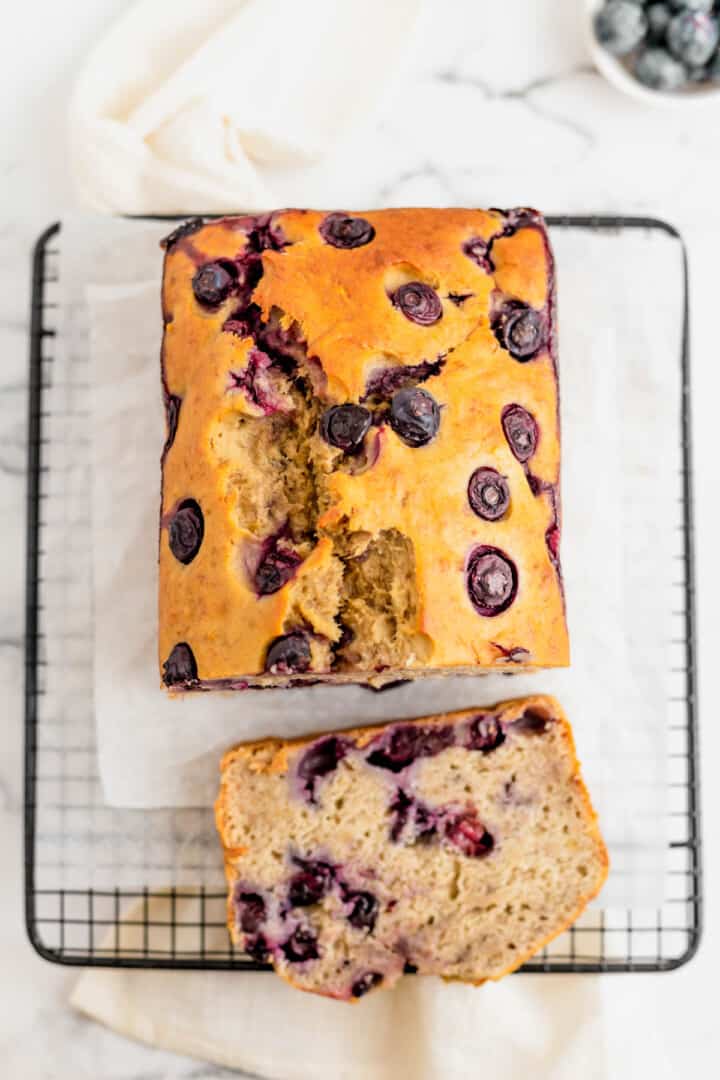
[361, 468]
[454, 845]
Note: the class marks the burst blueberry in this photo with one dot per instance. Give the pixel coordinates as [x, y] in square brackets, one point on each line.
[277, 565]
[521, 431]
[492, 580]
[345, 231]
[404, 743]
[180, 668]
[301, 946]
[186, 531]
[414, 416]
[289, 654]
[363, 910]
[488, 494]
[468, 834]
[345, 426]
[485, 733]
[321, 759]
[214, 282]
[250, 911]
[418, 302]
[312, 882]
[520, 329]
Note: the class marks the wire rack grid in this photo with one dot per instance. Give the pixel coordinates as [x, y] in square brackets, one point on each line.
[76, 913]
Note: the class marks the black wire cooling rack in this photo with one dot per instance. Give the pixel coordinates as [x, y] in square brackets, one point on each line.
[77, 849]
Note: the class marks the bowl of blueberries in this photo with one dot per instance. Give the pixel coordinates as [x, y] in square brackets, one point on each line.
[664, 52]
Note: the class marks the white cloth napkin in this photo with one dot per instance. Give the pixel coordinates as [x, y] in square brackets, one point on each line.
[529, 1026]
[189, 105]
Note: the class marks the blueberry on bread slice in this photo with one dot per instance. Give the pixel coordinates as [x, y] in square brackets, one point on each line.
[455, 845]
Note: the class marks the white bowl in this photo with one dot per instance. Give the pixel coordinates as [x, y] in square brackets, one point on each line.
[614, 70]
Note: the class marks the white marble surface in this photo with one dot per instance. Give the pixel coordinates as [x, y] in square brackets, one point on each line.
[500, 106]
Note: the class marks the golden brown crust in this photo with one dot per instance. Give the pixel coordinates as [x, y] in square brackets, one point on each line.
[275, 760]
[339, 300]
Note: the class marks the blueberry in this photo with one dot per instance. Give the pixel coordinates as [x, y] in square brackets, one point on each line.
[530, 723]
[366, 983]
[657, 69]
[485, 733]
[478, 250]
[345, 426]
[418, 303]
[266, 234]
[276, 567]
[186, 531]
[180, 668]
[310, 884]
[213, 282]
[692, 37]
[319, 760]
[186, 229]
[488, 494]
[467, 833]
[520, 329]
[414, 416]
[250, 911]
[413, 821]
[257, 948]
[288, 654]
[344, 231]
[301, 946]
[658, 17]
[172, 415]
[364, 912]
[384, 383]
[620, 26]
[521, 431]
[691, 5]
[492, 580]
[404, 743]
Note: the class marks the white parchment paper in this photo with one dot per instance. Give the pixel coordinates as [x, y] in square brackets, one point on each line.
[619, 316]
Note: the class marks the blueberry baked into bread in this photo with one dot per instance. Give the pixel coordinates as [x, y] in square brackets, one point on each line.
[360, 478]
[455, 845]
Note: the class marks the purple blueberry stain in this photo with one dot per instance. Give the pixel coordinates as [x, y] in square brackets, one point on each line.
[214, 281]
[276, 565]
[531, 722]
[266, 234]
[180, 668]
[364, 909]
[520, 329]
[186, 531]
[345, 231]
[467, 833]
[403, 744]
[288, 654]
[387, 381]
[412, 821]
[311, 883]
[418, 302]
[521, 431]
[301, 946]
[250, 911]
[257, 948]
[491, 579]
[365, 983]
[488, 494]
[516, 654]
[256, 383]
[319, 760]
[414, 416]
[345, 427]
[485, 733]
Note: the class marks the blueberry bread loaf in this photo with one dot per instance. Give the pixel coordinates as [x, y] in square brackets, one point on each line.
[455, 845]
[360, 477]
